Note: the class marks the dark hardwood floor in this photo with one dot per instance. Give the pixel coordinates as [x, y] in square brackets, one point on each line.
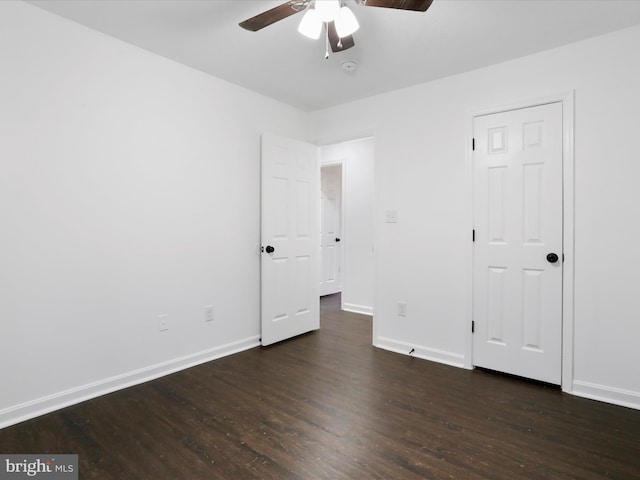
[328, 405]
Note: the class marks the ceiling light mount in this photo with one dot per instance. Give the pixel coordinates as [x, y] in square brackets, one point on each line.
[327, 10]
[338, 20]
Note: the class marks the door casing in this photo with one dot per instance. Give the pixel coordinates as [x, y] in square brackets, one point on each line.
[568, 208]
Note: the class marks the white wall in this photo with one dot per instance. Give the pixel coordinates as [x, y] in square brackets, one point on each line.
[421, 170]
[357, 157]
[129, 188]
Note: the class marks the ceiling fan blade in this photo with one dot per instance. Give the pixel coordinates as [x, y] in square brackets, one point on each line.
[272, 16]
[334, 39]
[416, 5]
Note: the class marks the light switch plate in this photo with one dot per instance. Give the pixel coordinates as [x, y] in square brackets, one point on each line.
[163, 322]
[391, 216]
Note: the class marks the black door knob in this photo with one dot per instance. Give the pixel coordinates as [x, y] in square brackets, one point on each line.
[270, 249]
[337, 239]
[552, 258]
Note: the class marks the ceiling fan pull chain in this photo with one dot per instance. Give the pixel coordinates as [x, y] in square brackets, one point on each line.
[326, 43]
[339, 37]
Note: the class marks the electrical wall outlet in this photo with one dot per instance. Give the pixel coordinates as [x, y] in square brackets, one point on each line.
[163, 322]
[208, 313]
[402, 309]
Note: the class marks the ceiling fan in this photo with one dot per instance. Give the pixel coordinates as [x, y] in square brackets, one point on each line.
[338, 21]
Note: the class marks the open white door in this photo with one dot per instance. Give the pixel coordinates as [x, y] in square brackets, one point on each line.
[517, 285]
[290, 238]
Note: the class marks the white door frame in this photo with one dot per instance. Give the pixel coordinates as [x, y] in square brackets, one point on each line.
[568, 205]
[342, 163]
[365, 134]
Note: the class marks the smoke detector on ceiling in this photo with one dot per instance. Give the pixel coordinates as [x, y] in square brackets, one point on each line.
[349, 66]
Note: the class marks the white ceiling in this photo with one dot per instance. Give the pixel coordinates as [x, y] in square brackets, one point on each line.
[394, 48]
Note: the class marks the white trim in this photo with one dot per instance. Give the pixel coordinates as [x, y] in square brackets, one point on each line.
[376, 240]
[343, 228]
[34, 408]
[468, 337]
[426, 353]
[362, 309]
[331, 163]
[568, 271]
[568, 208]
[603, 393]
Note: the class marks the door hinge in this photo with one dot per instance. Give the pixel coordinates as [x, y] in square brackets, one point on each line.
[473, 235]
[473, 144]
[473, 326]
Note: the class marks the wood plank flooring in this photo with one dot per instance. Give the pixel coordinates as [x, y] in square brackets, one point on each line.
[328, 405]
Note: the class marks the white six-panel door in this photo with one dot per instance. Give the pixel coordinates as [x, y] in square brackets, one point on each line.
[517, 286]
[289, 236]
[330, 227]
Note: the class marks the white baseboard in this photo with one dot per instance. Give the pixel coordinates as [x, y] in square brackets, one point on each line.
[363, 309]
[34, 408]
[426, 353]
[603, 393]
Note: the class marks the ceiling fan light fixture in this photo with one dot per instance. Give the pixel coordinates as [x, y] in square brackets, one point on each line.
[310, 25]
[328, 10]
[346, 23]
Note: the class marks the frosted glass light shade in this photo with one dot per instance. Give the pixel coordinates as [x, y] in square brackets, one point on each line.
[328, 10]
[310, 25]
[346, 23]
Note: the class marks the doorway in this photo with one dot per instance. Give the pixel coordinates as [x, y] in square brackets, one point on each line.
[354, 159]
[566, 102]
